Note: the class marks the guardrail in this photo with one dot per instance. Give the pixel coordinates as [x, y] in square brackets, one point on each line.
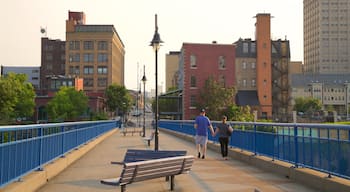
[27, 148]
[323, 147]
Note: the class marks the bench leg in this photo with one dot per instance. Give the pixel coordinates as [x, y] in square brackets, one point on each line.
[172, 182]
[122, 188]
[149, 142]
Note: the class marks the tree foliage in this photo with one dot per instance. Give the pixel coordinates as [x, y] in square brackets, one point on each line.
[118, 98]
[307, 105]
[215, 98]
[67, 104]
[16, 97]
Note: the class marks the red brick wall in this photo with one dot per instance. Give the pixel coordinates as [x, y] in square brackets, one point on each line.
[207, 61]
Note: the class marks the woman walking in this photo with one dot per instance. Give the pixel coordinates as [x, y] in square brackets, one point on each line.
[224, 130]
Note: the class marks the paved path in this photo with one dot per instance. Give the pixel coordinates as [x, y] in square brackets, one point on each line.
[207, 175]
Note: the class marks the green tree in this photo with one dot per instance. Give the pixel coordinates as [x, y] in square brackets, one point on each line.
[67, 104]
[216, 98]
[16, 97]
[307, 105]
[118, 98]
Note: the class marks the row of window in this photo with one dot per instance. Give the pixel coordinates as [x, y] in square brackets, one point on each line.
[88, 57]
[87, 70]
[101, 82]
[193, 81]
[88, 45]
[244, 83]
[221, 62]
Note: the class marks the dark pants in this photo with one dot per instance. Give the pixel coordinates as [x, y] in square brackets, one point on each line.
[224, 145]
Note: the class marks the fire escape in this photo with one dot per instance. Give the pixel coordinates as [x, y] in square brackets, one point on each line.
[280, 82]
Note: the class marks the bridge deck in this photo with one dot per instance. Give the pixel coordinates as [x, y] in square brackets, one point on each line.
[210, 174]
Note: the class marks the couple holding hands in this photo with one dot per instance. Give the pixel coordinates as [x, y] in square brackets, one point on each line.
[202, 123]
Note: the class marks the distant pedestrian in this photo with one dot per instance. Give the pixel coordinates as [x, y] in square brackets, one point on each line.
[202, 123]
[224, 130]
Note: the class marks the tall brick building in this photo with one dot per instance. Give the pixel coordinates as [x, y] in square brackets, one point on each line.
[94, 53]
[197, 63]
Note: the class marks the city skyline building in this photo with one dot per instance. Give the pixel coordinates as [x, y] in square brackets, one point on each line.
[327, 36]
[94, 53]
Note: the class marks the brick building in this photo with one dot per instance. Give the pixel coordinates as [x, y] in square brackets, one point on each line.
[197, 63]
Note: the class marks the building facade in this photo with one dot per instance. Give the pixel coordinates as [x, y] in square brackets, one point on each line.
[197, 63]
[327, 36]
[172, 70]
[94, 53]
[53, 59]
[32, 73]
[332, 90]
[262, 72]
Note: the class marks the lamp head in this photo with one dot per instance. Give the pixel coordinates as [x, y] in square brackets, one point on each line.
[144, 79]
[156, 41]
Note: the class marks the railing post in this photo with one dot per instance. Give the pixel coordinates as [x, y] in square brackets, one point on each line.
[255, 138]
[329, 153]
[41, 136]
[63, 135]
[296, 145]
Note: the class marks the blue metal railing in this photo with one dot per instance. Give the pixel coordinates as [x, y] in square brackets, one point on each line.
[323, 147]
[26, 148]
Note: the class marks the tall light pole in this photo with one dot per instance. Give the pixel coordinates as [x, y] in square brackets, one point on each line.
[144, 102]
[155, 43]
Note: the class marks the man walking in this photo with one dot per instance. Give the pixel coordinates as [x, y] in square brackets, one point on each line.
[202, 123]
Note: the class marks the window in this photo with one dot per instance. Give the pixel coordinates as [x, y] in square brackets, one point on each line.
[244, 65]
[222, 64]
[88, 45]
[193, 101]
[88, 82]
[74, 45]
[253, 47]
[102, 70]
[245, 47]
[88, 57]
[48, 57]
[244, 83]
[193, 81]
[102, 82]
[102, 45]
[74, 70]
[193, 61]
[253, 83]
[222, 80]
[88, 70]
[102, 57]
[49, 66]
[74, 57]
[253, 65]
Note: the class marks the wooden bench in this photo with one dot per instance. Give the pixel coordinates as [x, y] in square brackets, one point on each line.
[149, 139]
[134, 155]
[151, 169]
[131, 130]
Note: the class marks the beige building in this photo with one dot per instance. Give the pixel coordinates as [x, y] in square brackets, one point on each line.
[332, 90]
[94, 53]
[172, 69]
[326, 36]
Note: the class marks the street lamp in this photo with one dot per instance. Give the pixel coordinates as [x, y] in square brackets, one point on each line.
[155, 43]
[144, 102]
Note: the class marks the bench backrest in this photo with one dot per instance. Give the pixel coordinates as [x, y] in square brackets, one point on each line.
[134, 155]
[156, 168]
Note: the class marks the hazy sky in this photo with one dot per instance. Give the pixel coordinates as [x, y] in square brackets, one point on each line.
[194, 21]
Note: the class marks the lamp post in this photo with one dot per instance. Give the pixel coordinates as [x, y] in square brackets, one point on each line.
[144, 102]
[155, 43]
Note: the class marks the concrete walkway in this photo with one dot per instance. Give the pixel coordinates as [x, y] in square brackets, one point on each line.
[210, 174]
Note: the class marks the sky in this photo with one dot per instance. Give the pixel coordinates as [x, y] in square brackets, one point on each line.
[190, 21]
